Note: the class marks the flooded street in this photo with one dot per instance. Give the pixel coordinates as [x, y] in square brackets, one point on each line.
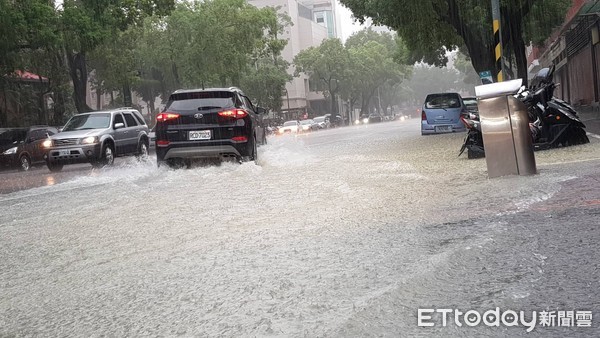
[344, 232]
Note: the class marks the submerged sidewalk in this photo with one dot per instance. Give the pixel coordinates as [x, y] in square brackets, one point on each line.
[590, 116]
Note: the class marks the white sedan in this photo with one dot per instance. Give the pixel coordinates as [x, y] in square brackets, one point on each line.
[290, 127]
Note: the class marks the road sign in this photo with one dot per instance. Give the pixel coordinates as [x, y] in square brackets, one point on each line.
[486, 77]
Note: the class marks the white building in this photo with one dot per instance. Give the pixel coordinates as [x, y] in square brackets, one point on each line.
[312, 22]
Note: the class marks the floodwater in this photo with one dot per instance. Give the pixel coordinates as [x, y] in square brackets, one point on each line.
[303, 244]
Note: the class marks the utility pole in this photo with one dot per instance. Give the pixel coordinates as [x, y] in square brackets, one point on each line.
[497, 23]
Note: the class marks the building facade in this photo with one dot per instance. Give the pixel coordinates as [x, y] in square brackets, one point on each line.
[574, 50]
[312, 22]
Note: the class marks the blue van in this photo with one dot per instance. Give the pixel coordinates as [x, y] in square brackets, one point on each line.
[441, 114]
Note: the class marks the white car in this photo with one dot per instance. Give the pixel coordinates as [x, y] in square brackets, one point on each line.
[308, 125]
[322, 122]
[290, 127]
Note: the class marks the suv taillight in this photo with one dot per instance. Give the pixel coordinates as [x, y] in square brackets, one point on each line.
[423, 115]
[233, 113]
[162, 117]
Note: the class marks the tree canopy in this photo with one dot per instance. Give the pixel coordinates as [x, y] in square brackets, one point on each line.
[431, 27]
[368, 63]
[152, 47]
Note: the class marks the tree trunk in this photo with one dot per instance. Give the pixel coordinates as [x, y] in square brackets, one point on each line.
[518, 46]
[59, 108]
[366, 101]
[79, 76]
[4, 110]
[98, 98]
[127, 101]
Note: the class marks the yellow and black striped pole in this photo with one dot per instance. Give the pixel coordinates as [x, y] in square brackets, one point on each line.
[497, 39]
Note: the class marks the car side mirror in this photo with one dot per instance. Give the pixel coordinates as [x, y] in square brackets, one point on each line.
[119, 125]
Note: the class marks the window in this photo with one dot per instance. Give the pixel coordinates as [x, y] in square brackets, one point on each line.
[201, 101]
[118, 119]
[442, 101]
[88, 121]
[130, 120]
[37, 134]
[248, 103]
[320, 18]
[139, 118]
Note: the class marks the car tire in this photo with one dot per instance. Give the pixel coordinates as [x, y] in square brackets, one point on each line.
[142, 150]
[24, 163]
[54, 167]
[252, 152]
[107, 158]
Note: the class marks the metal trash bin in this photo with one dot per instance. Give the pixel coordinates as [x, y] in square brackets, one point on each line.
[505, 129]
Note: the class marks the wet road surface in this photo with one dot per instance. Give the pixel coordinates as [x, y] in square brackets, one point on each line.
[343, 232]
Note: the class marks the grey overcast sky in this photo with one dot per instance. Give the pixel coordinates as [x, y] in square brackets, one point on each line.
[348, 26]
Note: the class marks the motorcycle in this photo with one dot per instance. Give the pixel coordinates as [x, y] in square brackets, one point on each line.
[553, 122]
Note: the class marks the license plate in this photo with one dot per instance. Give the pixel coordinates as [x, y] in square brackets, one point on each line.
[199, 135]
[443, 129]
[64, 152]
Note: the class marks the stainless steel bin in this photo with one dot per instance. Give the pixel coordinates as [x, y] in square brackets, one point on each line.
[505, 128]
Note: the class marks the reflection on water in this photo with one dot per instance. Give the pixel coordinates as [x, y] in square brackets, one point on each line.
[50, 180]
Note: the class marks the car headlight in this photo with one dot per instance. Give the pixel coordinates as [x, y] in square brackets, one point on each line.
[89, 140]
[10, 151]
[357, 122]
[47, 143]
[365, 120]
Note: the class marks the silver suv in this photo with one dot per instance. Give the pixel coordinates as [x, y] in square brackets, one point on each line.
[97, 138]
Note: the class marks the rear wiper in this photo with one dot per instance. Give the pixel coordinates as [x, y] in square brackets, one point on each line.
[208, 107]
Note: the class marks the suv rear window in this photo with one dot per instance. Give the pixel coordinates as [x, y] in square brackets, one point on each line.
[202, 101]
[448, 100]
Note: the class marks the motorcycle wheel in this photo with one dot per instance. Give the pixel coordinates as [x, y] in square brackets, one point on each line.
[575, 136]
[474, 154]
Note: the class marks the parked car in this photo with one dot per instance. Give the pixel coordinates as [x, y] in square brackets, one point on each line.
[218, 123]
[470, 103]
[97, 138]
[375, 118]
[441, 114]
[363, 119]
[322, 122]
[308, 125]
[290, 127]
[22, 147]
[337, 121]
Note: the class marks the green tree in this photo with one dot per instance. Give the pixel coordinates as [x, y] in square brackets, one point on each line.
[31, 40]
[431, 27]
[86, 24]
[214, 43]
[377, 65]
[327, 65]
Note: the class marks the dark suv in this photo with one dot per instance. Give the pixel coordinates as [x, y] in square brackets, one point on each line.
[22, 147]
[208, 123]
